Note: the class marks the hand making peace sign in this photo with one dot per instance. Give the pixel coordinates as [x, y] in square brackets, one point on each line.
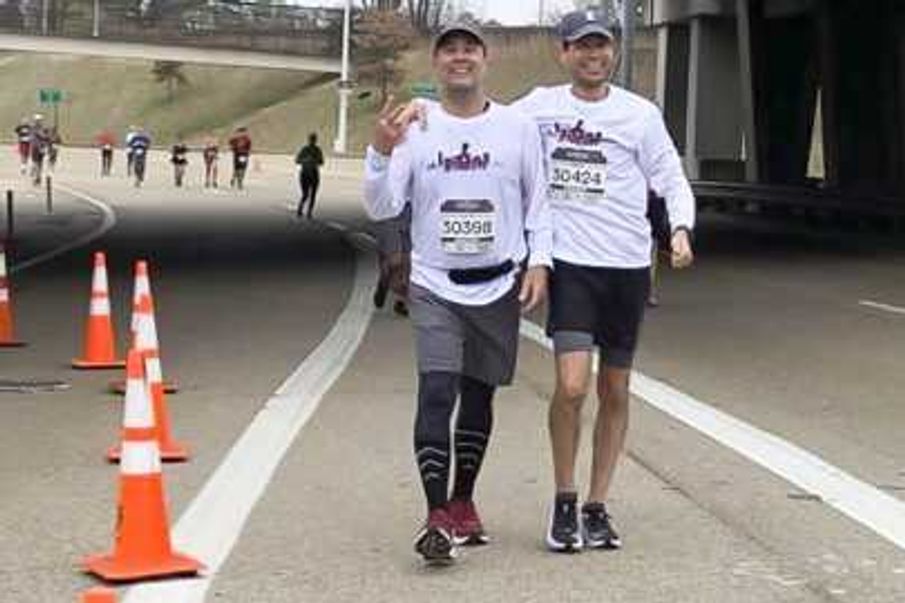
[392, 123]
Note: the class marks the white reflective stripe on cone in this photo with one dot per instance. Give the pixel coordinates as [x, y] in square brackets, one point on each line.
[142, 287]
[4, 294]
[99, 284]
[100, 306]
[153, 370]
[139, 458]
[2, 264]
[146, 333]
[139, 413]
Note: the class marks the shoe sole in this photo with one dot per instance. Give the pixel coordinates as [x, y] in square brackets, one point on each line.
[436, 546]
[611, 545]
[559, 547]
[472, 540]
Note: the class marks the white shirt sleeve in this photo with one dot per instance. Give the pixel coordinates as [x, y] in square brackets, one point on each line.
[662, 167]
[388, 181]
[538, 218]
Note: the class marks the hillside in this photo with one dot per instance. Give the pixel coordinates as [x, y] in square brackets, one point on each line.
[280, 107]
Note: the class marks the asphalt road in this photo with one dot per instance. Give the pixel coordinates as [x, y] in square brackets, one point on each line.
[770, 327]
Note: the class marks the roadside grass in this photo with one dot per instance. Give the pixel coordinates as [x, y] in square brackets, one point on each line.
[279, 107]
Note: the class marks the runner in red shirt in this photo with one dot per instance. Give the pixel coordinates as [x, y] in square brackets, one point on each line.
[240, 145]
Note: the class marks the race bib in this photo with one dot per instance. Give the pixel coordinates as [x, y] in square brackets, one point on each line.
[468, 226]
[242, 159]
[577, 175]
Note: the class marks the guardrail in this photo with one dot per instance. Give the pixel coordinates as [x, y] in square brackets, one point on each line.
[265, 28]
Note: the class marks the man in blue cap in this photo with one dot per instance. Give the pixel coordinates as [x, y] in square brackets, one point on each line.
[605, 149]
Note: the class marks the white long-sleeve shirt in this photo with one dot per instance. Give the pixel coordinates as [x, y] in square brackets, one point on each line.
[478, 195]
[601, 158]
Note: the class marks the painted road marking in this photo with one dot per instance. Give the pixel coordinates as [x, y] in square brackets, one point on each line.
[211, 525]
[878, 306]
[108, 222]
[860, 501]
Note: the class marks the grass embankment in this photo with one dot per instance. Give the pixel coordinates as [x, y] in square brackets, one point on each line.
[280, 107]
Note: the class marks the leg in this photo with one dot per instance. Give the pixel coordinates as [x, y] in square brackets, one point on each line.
[609, 429]
[303, 184]
[573, 371]
[315, 184]
[437, 393]
[473, 427]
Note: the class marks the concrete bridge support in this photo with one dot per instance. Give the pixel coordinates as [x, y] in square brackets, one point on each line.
[740, 81]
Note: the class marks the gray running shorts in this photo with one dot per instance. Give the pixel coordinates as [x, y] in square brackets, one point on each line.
[480, 342]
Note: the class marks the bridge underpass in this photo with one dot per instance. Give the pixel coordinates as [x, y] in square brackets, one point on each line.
[788, 93]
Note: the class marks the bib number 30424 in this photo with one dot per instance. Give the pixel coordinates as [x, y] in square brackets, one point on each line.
[468, 226]
[577, 175]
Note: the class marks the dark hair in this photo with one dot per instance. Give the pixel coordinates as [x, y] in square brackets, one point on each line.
[312, 138]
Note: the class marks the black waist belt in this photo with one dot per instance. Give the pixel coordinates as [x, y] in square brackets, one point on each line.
[470, 276]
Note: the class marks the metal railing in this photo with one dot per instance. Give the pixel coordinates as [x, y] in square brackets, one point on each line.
[231, 25]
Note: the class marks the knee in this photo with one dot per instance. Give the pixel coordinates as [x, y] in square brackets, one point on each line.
[570, 394]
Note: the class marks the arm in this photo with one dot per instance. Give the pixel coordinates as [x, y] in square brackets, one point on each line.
[660, 164]
[388, 162]
[538, 221]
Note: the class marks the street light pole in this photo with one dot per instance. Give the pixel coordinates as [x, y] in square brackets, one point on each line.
[96, 29]
[628, 35]
[45, 9]
[342, 126]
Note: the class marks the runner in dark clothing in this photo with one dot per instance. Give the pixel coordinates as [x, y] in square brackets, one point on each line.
[310, 158]
[23, 136]
[240, 145]
[179, 159]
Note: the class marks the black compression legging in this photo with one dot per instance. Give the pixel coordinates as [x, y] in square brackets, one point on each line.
[437, 393]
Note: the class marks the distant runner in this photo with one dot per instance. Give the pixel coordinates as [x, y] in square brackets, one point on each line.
[211, 156]
[240, 145]
[310, 158]
[23, 138]
[179, 158]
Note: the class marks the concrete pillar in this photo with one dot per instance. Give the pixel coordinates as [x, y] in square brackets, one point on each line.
[672, 79]
[714, 117]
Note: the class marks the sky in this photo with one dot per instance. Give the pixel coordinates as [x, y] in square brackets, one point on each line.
[508, 12]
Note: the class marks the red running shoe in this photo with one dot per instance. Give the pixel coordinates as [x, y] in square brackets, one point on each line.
[467, 523]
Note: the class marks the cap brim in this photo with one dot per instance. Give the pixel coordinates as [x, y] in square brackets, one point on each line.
[592, 29]
[461, 30]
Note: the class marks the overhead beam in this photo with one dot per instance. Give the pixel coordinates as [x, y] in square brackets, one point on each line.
[154, 52]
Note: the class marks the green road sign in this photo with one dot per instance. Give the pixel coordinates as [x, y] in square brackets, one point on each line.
[424, 90]
[50, 96]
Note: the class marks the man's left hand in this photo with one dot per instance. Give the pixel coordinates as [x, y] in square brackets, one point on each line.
[534, 288]
[682, 256]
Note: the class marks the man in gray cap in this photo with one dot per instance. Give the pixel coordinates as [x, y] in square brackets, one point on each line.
[481, 238]
[605, 149]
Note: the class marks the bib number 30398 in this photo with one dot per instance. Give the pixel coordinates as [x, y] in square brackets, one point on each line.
[468, 226]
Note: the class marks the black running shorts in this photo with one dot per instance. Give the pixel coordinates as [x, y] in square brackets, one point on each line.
[597, 306]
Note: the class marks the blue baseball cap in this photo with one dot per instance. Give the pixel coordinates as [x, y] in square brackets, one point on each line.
[581, 23]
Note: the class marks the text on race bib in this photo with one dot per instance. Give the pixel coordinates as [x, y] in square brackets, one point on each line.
[577, 175]
[467, 226]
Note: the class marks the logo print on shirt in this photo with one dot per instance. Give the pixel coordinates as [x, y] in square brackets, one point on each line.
[576, 134]
[463, 162]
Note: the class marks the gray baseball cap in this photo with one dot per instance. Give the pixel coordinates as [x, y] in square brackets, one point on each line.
[581, 23]
[461, 28]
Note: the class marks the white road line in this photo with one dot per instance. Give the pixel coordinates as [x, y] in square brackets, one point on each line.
[860, 501]
[108, 222]
[878, 306]
[211, 525]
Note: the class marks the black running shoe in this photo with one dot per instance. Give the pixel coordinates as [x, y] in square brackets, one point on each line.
[598, 528]
[564, 533]
[435, 541]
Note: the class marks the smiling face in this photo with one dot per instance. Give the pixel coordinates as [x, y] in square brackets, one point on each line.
[460, 61]
[590, 60]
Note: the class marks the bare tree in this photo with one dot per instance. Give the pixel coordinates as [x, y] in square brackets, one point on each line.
[425, 15]
[379, 40]
[169, 73]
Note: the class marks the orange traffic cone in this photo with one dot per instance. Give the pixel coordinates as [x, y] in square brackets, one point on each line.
[99, 351]
[7, 337]
[170, 450]
[98, 594]
[142, 287]
[142, 541]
